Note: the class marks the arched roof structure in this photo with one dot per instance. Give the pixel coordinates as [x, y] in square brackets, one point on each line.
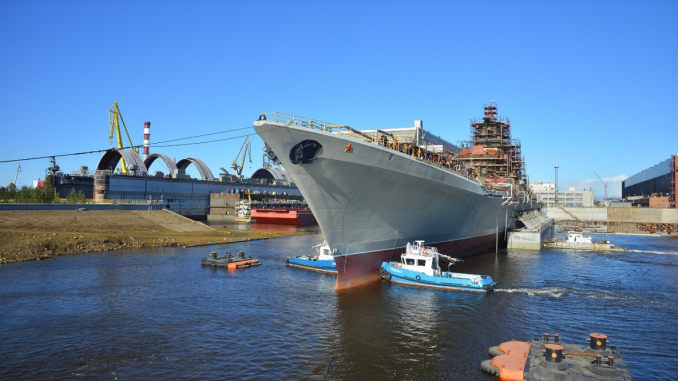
[271, 174]
[205, 172]
[111, 158]
[168, 162]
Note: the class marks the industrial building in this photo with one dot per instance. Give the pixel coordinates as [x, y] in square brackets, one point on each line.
[654, 187]
[133, 182]
[546, 194]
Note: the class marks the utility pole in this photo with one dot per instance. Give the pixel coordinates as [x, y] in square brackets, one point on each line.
[556, 167]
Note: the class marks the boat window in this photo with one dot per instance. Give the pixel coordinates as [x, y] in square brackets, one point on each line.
[421, 262]
[326, 252]
[409, 261]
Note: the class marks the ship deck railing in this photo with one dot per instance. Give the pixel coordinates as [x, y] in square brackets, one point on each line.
[408, 147]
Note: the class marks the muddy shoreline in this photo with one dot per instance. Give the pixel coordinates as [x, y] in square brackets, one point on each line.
[35, 235]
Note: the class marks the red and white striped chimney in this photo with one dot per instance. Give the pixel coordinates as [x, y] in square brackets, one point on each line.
[147, 137]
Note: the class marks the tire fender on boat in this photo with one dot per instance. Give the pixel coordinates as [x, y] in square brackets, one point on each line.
[489, 368]
[418, 278]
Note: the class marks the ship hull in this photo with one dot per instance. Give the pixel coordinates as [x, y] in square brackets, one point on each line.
[370, 201]
[283, 216]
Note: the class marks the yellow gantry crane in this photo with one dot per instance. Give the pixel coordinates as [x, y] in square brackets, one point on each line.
[115, 120]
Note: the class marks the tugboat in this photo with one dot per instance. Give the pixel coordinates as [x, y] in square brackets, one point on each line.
[230, 262]
[577, 241]
[323, 262]
[419, 266]
[551, 359]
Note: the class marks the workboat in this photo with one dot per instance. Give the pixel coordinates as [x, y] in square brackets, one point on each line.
[238, 262]
[243, 212]
[419, 266]
[549, 358]
[323, 262]
[577, 241]
[374, 190]
[283, 215]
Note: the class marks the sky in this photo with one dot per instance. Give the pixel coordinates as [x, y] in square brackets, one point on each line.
[590, 86]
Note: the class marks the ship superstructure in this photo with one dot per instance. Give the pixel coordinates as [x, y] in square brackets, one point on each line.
[372, 191]
[492, 155]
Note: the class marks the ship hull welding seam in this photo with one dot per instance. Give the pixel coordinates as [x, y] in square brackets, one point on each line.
[370, 200]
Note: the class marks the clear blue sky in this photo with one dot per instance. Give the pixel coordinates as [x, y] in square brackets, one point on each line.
[588, 85]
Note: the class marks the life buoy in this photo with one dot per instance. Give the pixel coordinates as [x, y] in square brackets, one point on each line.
[425, 251]
[262, 117]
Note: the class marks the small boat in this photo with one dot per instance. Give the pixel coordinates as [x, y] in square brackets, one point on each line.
[243, 212]
[323, 262]
[419, 266]
[576, 241]
[238, 262]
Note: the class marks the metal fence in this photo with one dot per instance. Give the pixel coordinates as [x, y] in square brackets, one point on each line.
[140, 206]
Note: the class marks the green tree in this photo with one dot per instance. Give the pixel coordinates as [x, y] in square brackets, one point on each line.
[46, 194]
[8, 193]
[76, 197]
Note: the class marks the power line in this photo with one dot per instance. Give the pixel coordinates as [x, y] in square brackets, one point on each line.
[199, 136]
[153, 145]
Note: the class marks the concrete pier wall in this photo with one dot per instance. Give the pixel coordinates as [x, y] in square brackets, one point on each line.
[574, 214]
[538, 227]
[617, 220]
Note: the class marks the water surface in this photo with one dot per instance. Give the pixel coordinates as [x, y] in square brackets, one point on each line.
[158, 314]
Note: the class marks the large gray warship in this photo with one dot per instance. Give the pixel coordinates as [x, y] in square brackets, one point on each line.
[372, 191]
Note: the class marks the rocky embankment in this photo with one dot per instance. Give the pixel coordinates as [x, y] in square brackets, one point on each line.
[34, 235]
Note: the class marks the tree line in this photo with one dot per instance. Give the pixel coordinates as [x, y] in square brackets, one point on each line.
[40, 195]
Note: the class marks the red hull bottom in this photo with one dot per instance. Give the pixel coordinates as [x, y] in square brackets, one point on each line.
[357, 269]
[283, 217]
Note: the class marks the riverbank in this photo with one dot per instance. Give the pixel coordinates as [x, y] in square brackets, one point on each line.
[33, 235]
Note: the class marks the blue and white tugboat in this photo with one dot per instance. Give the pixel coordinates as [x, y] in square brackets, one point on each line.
[419, 266]
[323, 262]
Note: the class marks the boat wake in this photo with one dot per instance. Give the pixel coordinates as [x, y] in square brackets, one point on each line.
[654, 252]
[647, 262]
[553, 292]
[558, 292]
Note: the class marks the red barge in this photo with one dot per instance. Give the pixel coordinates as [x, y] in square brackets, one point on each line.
[283, 216]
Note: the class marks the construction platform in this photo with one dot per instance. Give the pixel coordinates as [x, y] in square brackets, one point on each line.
[548, 359]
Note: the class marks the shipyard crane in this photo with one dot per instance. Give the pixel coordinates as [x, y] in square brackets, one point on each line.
[604, 183]
[115, 120]
[244, 149]
[18, 169]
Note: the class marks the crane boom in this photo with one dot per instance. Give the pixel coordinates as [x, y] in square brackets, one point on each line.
[18, 169]
[244, 149]
[604, 183]
[115, 120]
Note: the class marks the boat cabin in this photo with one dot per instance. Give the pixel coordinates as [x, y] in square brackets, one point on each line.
[421, 259]
[324, 251]
[576, 237]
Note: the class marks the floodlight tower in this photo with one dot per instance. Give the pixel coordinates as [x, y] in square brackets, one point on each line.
[556, 167]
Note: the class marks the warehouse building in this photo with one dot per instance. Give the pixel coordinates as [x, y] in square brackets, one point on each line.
[546, 194]
[654, 187]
